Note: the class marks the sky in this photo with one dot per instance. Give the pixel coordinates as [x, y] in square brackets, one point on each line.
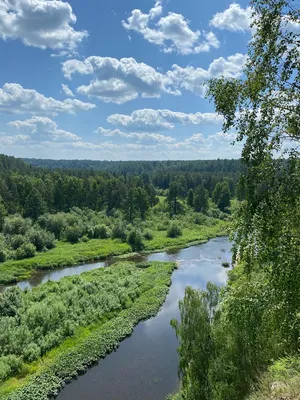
[117, 80]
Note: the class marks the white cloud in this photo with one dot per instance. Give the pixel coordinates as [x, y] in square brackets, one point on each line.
[193, 79]
[138, 136]
[222, 136]
[15, 99]
[239, 19]
[172, 32]
[40, 23]
[13, 140]
[117, 81]
[43, 128]
[67, 91]
[149, 119]
[235, 19]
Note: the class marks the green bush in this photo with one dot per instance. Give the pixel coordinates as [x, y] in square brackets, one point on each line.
[148, 235]
[41, 239]
[73, 233]
[16, 225]
[119, 231]
[3, 254]
[16, 241]
[174, 231]
[101, 232]
[27, 250]
[135, 240]
[90, 232]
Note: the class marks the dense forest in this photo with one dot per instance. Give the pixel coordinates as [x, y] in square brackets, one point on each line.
[243, 342]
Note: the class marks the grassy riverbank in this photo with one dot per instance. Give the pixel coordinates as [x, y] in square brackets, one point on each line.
[67, 254]
[130, 294]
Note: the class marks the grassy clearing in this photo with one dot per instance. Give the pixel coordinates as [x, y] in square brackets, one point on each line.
[45, 377]
[63, 255]
[66, 254]
[281, 382]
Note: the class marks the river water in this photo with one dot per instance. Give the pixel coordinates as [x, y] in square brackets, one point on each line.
[144, 367]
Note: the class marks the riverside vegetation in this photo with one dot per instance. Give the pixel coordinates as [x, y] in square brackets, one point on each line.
[51, 333]
[54, 219]
[243, 342]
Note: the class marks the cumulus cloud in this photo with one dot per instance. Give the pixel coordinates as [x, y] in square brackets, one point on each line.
[234, 19]
[193, 79]
[137, 136]
[15, 99]
[238, 19]
[43, 128]
[150, 119]
[40, 23]
[116, 80]
[171, 32]
[67, 91]
[13, 140]
[123, 80]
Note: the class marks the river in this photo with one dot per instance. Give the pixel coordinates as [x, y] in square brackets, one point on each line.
[144, 367]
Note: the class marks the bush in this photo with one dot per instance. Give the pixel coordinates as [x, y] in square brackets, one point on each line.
[41, 239]
[119, 231]
[148, 235]
[16, 225]
[56, 224]
[3, 254]
[90, 232]
[16, 241]
[135, 240]
[101, 232]
[174, 231]
[32, 352]
[73, 233]
[27, 250]
[85, 239]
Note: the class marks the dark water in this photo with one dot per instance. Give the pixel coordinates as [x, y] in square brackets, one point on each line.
[144, 367]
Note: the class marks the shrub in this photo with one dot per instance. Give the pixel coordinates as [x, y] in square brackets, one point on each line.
[161, 227]
[174, 231]
[119, 231]
[3, 254]
[101, 232]
[32, 352]
[90, 232]
[148, 235]
[16, 241]
[27, 250]
[135, 240]
[85, 239]
[41, 239]
[56, 224]
[16, 225]
[73, 234]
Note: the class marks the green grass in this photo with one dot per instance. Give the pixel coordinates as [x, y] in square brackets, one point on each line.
[63, 255]
[45, 377]
[195, 234]
[281, 382]
[66, 254]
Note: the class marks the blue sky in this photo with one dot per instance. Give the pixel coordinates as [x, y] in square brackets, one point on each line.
[117, 80]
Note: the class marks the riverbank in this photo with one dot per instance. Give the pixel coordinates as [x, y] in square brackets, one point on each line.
[44, 378]
[67, 255]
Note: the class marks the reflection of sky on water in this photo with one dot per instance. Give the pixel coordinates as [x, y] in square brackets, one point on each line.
[144, 367]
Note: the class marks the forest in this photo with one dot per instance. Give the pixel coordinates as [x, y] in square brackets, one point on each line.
[104, 214]
[243, 342]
